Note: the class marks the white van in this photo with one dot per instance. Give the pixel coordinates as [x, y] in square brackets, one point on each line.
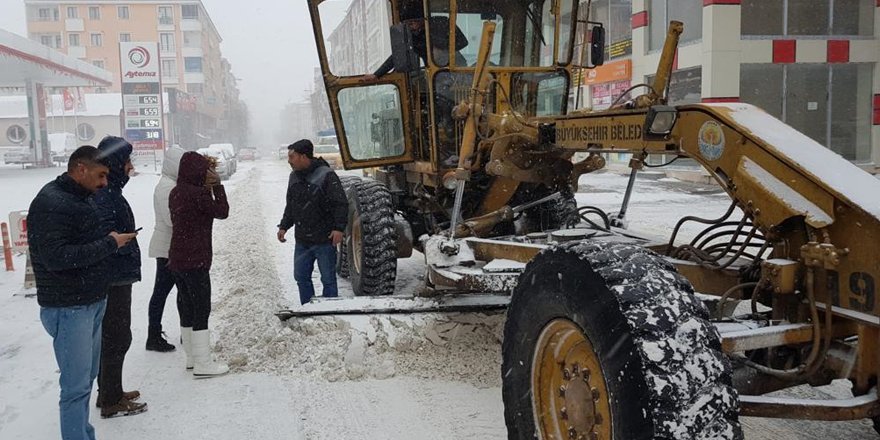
[62, 146]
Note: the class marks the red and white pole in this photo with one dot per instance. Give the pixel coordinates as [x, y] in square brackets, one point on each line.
[7, 247]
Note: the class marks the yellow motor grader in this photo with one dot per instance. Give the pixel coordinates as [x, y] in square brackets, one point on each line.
[461, 111]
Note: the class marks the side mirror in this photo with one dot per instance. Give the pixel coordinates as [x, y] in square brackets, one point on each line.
[403, 55]
[597, 45]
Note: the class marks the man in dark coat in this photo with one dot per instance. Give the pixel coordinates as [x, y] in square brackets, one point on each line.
[67, 249]
[123, 270]
[316, 204]
[196, 200]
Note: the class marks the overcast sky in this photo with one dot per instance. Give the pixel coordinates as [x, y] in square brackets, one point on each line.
[269, 43]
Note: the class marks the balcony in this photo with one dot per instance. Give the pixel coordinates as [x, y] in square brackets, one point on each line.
[167, 50]
[170, 79]
[190, 24]
[77, 51]
[74, 25]
[194, 78]
[191, 51]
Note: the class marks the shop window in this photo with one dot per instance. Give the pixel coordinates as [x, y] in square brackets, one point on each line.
[810, 18]
[761, 85]
[616, 16]
[689, 12]
[850, 122]
[830, 103]
[685, 86]
[852, 17]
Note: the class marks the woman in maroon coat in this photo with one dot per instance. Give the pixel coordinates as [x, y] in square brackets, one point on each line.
[195, 202]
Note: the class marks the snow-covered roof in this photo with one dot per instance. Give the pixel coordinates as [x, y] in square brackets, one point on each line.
[97, 104]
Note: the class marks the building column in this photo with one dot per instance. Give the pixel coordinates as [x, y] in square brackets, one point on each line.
[875, 99]
[721, 50]
[640, 22]
[39, 138]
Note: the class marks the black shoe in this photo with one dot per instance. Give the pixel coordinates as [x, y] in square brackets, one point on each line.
[155, 342]
[123, 408]
[126, 395]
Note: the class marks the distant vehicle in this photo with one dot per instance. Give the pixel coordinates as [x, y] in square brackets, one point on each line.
[223, 161]
[327, 147]
[18, 156]
[60, 144]
[247, 154]
[282, 152]
[229, 149]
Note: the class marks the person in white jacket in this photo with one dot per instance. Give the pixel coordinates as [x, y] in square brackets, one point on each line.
[159, 245]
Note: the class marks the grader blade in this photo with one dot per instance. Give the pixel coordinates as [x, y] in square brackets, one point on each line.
[397, 305]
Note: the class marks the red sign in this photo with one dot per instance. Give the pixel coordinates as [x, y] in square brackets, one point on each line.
[18, 231]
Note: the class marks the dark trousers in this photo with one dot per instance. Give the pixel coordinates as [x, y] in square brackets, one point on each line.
[161, 288]
[193, 298]
[304, 257]
[115, 341]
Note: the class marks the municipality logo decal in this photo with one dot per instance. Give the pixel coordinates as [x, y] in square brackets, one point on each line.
[139, 56]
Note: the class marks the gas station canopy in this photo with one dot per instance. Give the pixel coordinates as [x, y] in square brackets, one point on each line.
[23, 61]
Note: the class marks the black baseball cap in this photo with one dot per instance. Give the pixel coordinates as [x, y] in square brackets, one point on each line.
[302, 146]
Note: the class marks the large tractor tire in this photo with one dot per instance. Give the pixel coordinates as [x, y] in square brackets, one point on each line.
[557, 214]
[608, 341]
[371, 245]
[342, 250]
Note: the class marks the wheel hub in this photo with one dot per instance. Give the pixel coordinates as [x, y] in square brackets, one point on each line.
[569, 397]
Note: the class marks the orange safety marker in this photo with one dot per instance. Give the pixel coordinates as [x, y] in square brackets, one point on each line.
[7, 247]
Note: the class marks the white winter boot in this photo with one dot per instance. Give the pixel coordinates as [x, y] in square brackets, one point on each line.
[203, 364]
[186, 340]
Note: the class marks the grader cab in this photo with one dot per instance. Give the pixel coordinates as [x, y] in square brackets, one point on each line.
[609, 333]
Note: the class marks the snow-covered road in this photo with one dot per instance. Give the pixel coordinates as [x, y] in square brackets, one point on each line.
[383, 377]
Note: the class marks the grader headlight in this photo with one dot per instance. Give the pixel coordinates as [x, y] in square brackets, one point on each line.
[659, 121]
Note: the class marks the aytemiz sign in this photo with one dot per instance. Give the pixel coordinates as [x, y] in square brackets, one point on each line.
[141, 96]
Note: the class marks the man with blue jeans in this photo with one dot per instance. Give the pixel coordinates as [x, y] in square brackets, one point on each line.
[68, 252]
[316, 205]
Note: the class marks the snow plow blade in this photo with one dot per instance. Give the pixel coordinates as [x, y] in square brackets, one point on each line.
[396, 305]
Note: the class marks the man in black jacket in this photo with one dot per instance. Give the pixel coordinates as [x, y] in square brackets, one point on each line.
[123, 269]
[316, 205]
[67, 250]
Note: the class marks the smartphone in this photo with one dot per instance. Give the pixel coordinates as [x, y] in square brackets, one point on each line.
[138, 229]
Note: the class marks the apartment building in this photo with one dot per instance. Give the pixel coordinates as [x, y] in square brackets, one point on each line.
[189, 47]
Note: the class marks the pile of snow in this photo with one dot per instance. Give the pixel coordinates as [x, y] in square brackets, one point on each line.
[248, 291]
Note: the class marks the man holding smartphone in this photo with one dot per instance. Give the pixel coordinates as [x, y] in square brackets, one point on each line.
[122, 269]
[68, 249]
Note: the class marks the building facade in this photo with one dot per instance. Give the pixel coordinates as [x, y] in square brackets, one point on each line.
[189, 49]
[812, 64]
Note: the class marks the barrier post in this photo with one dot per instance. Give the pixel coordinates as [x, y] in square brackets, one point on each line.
[7, 247]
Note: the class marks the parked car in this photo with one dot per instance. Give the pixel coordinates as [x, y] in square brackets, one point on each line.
[18, 156]
[247, 154]
[223, 161]
[229, 149]
[327, 147]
